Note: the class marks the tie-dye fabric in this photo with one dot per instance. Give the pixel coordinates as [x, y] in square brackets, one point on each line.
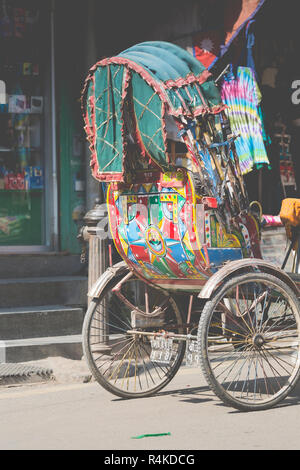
[240, 92]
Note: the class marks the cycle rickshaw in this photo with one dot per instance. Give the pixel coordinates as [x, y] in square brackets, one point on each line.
[192, 285]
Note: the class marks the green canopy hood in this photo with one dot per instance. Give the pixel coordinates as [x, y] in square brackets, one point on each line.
[131, 95]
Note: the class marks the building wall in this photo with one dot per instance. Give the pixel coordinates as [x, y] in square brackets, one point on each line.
[84, 32]
[119, 25]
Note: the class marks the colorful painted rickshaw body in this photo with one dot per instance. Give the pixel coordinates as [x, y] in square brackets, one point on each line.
[170, 236]
[165, 208]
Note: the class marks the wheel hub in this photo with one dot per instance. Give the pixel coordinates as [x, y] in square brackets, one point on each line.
[258, 340]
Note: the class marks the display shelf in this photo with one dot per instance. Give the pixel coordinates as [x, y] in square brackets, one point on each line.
[16, 75]
[31, 149]
[35, 190]
[26, 114]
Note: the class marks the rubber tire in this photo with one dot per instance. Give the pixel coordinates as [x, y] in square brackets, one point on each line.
[95, 371]
[203, 333]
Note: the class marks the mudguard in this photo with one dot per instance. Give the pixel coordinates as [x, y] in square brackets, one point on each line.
[244, 266]
[111, 272]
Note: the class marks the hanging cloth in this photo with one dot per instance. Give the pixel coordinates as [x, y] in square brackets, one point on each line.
[237, 14]
[250, 41]
[240, 92]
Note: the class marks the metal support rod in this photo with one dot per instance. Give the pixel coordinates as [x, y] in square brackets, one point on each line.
[190, 309]
[163, 335]
[53, 132]
[222, 73]
[295, 236]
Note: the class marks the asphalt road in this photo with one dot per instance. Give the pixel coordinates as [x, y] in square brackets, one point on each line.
[84, 416]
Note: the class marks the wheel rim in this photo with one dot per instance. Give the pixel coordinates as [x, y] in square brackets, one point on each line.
[252, 343]
[119, 339]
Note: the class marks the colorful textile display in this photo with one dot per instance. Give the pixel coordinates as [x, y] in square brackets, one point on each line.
[240, 92]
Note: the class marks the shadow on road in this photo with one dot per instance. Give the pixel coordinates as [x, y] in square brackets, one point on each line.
[188, 392]
[192, 391]
[203, 394]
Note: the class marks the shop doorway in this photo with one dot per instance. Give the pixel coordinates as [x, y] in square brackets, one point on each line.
[26, 144]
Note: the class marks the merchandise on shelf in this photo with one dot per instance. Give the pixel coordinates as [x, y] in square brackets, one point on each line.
[34, 177]
[30, 178]
[11, 227]
[22, 104]
[14, 181]
[16, 22]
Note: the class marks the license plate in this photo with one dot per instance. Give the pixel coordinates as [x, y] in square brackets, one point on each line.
[192, 353]
[161, 350]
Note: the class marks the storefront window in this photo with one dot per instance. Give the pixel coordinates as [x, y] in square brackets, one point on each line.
[22, 110]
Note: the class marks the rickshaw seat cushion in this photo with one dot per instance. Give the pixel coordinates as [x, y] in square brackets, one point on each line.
[290, 214]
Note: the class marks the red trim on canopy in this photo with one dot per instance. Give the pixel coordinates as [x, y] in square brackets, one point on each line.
[189, 79]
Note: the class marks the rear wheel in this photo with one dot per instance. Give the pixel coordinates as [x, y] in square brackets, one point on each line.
[249, 336]
[128, 338]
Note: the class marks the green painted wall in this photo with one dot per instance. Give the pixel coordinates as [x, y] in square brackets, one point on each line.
[72, 197]
[70, 43]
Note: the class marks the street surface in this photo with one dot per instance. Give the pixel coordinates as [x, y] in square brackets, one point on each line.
[85, 416]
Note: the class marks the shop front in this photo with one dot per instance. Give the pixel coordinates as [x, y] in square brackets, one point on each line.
[42, 153]
[252, 48]
[27, 144]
